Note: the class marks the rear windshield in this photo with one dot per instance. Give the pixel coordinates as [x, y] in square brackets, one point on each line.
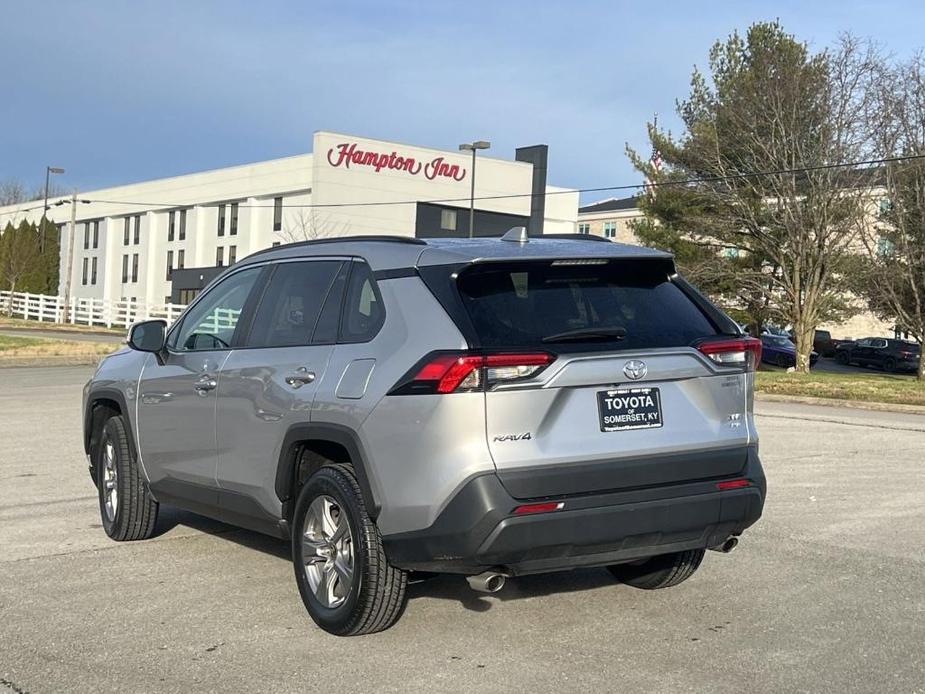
[615, 305]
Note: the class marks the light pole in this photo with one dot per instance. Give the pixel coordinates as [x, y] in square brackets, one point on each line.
[473, 147]
[48, 171]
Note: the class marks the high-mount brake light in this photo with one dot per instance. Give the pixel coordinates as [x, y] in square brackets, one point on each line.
[733, 351]
[463, 371]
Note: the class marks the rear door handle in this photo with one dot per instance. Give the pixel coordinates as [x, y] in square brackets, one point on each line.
[205, 384]
[300, 377]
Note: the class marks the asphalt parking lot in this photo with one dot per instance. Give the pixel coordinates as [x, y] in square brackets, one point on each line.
[825, 594]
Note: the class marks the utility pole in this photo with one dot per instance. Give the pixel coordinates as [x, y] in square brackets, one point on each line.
[70, 257]
[71, 242]
[48, 171]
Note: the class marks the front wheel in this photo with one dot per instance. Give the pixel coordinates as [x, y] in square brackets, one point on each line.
[663, 571]
[842, 358]
[343, 575]
[127, 509]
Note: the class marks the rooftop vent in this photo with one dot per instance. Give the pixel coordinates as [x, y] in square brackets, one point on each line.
[517, 235]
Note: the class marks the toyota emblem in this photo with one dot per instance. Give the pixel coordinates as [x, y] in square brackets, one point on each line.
[635, 369]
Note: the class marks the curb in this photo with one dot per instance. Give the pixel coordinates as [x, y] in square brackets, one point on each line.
[834, 402]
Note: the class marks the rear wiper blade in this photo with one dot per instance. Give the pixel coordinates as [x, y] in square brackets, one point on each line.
[587, 334]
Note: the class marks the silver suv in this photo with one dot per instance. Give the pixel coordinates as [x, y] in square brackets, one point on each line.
[487, 407]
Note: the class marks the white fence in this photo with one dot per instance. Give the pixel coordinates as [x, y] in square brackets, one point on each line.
[51, 309]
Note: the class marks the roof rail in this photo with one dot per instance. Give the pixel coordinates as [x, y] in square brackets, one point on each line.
[388, 238]
[574, 237]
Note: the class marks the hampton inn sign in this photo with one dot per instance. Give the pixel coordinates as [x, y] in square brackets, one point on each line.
[348, 153]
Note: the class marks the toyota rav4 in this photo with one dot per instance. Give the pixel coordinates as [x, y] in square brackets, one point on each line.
[485, 407]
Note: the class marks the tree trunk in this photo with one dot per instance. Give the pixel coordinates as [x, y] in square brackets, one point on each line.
[920, 374]
[803, 336]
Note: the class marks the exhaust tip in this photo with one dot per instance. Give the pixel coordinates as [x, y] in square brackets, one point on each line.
[487, 582]
[727, 545]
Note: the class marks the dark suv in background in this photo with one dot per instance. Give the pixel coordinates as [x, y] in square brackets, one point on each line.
[882, 352]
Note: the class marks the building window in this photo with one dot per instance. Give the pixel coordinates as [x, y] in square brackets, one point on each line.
[584, 228]
[275, 244]
[277, 214]
[169, 265]
[186, 296]
[183, 225]
[96, 235]
[232, 254]
[448, 220]
[221, 220]
[885, 247]
[134, 267]
[124, 269]
[137, 239]
[125, 230]
[219, 256]
[181, 259]
[234, 219]
[93, 271]
[86, 236]
[610, 230]
[171, 225]
[86, 265]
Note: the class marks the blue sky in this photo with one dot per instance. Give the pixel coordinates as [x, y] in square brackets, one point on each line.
[126, 91]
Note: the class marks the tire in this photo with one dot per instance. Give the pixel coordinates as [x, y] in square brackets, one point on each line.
[782, 361]
[889, 365]
[663, 571]
[373, 597]
[842, 358]
[127, 509]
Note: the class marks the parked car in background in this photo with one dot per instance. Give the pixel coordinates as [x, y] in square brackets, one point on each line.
[882, 352]
[779, 350]
[823, 343]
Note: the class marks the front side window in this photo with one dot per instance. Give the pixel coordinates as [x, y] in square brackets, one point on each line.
[363, 310]
[211, 323]
[290, 307]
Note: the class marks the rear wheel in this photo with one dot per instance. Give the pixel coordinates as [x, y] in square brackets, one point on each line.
[842, 357]
[343, 575]
[127, 509]
[889, 365]
[663, 571]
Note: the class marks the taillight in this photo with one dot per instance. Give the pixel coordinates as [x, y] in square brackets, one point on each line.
[734, 351]
[452, 372]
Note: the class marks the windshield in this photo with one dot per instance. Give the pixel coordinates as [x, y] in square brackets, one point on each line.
[613, 304]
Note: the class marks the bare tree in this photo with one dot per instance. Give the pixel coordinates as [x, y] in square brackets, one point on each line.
[12, 192]
[308, 225]
[766, 139]
[894, 281]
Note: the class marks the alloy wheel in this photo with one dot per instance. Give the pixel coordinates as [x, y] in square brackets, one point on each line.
[110, 480]
[327, 551]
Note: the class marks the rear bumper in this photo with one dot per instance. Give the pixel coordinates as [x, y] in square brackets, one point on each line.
[477, 530]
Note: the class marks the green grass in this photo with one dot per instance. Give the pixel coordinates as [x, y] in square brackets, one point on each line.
[7, 322]
[8, 342]
[866, 387]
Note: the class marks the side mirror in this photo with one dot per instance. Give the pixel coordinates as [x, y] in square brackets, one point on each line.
[148, 336]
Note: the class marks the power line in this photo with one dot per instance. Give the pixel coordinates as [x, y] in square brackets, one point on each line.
[509, 196]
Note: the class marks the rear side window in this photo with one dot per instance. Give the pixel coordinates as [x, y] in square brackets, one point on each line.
[631, 305]
[290, 306]
[363, 311]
